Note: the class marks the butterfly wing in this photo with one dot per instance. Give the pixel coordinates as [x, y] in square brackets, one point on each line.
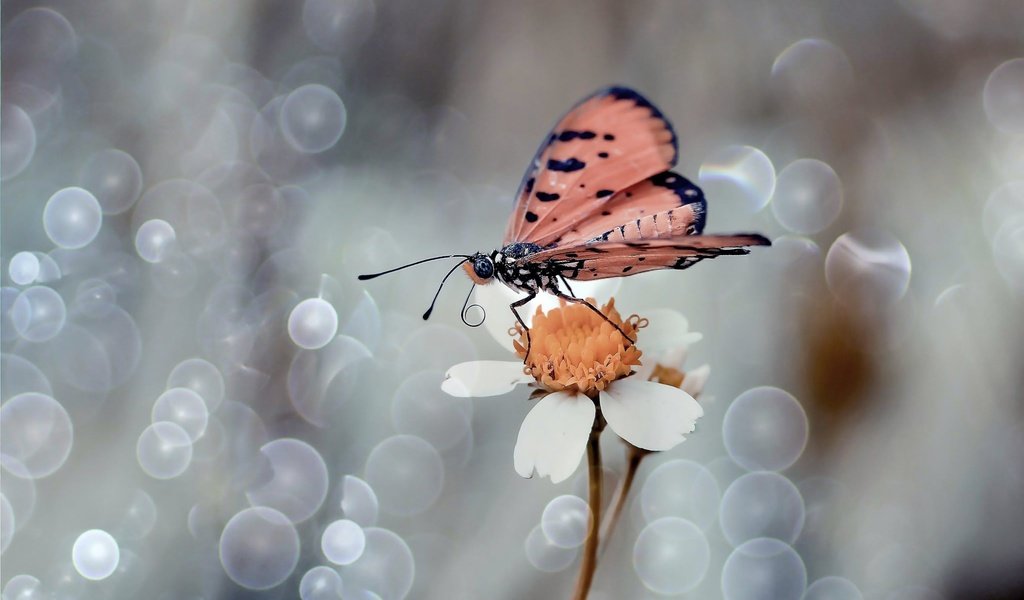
[602, 259]
[606, 143]
[663, 205]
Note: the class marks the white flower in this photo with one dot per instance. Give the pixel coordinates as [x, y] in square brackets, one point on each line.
[583, 361]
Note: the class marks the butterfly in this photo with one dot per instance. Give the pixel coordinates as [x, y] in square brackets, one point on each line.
[598, 200]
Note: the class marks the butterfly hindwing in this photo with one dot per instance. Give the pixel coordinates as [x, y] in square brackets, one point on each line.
[604, 259]
[663, 205]
[606, 143]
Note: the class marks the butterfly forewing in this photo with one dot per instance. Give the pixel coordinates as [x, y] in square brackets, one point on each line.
[606, 143]
[604, 259]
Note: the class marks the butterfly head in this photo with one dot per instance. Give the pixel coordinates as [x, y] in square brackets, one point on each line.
[480, 268]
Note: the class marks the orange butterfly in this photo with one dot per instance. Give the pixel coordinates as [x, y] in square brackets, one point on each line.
[599, 201]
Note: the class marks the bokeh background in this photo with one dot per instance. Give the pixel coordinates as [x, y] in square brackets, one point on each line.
[201, 401]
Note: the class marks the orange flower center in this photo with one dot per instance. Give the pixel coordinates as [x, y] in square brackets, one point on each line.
[575, 349]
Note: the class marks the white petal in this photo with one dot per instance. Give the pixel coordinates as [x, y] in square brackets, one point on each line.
[480, 378]
[554, 436]
[645, 369]
[693, 383]
[668, 329]
[649, 415]
[674, 358]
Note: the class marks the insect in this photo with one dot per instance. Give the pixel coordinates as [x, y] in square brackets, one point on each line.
[598, 200]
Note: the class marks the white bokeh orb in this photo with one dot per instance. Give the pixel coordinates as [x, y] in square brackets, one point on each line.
[343, 542]
[359, 501]
[681, 488]
[765, 428]
[95, 554]
[72, 218]
[565, 521]
[320, 583]
[19, 140]
[1004, 96]
[764, 569]
[38, 314]
[313, 323]
[742, 176]
[298, 485]
[762, 504]
[200, 376]
[808, 196]
[544, 555]
[868, 269]
[312, 118]
[406, 473]
[114, 178]
[671, 556]
[164, 450]
[386, 567]
[154, 240]
[183, 407]
[259, 548]
[23, 268]
[36, 431]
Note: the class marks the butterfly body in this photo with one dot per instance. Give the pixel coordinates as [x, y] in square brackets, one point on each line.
[508, 266]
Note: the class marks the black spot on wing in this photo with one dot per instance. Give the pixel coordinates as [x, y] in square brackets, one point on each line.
[568, 135]
[546, 197]
[531, 217]
[627, 269]
[609, 137]
[602, 155]
[566, 166]
[604, 193]
[528, 186]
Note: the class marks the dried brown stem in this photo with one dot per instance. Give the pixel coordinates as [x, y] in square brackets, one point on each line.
[633, 457]
[595, 472]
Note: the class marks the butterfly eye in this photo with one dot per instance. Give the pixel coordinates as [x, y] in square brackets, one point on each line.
[483, 267]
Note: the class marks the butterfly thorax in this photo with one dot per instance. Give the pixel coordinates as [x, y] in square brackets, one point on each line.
[522, 275]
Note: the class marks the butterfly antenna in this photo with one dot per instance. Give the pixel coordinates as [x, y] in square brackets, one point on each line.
[426, 315]
[413, 264]
[466, 306]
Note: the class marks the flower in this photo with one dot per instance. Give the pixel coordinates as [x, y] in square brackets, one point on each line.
[584, 363]
[576, 350]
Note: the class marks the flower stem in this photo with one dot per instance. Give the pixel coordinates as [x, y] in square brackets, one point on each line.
[633, 457]
[595, 473]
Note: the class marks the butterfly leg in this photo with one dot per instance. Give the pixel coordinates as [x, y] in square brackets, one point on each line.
[575, 300]
[565, 282]
[517, 304]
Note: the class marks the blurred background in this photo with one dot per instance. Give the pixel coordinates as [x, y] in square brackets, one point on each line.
[201, 401]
